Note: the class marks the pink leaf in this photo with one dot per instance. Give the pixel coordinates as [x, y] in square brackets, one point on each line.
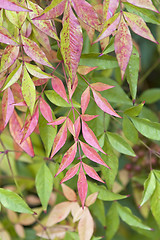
[13, 5]
[39, 81]
[72, 87]
[71, 41]
[91, 199]
[84, 70]
[6, 37]
[123, 46]
[70, 126]
[69, 193]
[90, 31]
[68, 158]
[90, 137]
[42, 39]
[34, 51]
[85, 98]
[109, 27]
[71, 173]
[53, 12]
[59, 88]
[104, 104]
[60, 139]
[45, 26]
[82, 186]
[139, 26]
[86, 225]
[92, 173]
[9, 56]
[7, 105]
[109, 8]
[143, 4]
[30, 124]
[77, 126]
[46, 110]
[86, 13]
[99, 86]
[87, 117]
[15, 125]
[58, 121]
[92, 154]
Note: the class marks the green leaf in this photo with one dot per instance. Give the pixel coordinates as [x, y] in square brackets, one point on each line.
[157, 174]
[134, 111]
[150, 95]
[28, 91]
[36, 71]
[99, 211]
[112, 222]
[59, 101]
[120, 144]
[102, 62]
[147, 128]
[44, 184]
[149, 114]
[129, 130]
[110, 46]
[13, 77]
[104, 194]
[53, 4]
[13, 202]
[149, 187]
[132, 72]
[112, 161]
[47, 134]
[155, 203]
[127, 216]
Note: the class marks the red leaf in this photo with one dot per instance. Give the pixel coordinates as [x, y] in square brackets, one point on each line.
[72, 35]
[92, 173]
[46, 110]
[54, 12]
[85, 98]
[6, 37]
[104, 104]
[123, 45]
[15, 125]
[13, 5]
[77, 126]
[60, 139]
[34, 51]
[9, 56]
[84, 70]
[109, 8]
[59, 88]
[92, 154]
[139, 26]
[98, 86]
[39, 81]
[87, 117]
[143, 4]
[7, 105]
[71, 173]
[90, 137]
[30, 124]
[82, 186]
[86, 13]
[68, 158]
[58, 121]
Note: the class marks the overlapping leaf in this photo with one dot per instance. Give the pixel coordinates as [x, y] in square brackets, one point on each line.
[71, 41]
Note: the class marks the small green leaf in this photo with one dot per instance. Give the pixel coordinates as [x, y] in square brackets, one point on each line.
[150, 95]
[134, 111]
[132, 72]
[112, 222]
[59, 101]
[13, 202]
[112, 161]
[129, 130]
[127, 216]
[149, 187]
[104, 194]
[47, 134]
[28, 91]
[110, 46]
[44, 184]
[120, 144]
[155, 203]
[147, 128]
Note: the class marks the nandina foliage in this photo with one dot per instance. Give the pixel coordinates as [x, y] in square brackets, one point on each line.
[47, 88]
